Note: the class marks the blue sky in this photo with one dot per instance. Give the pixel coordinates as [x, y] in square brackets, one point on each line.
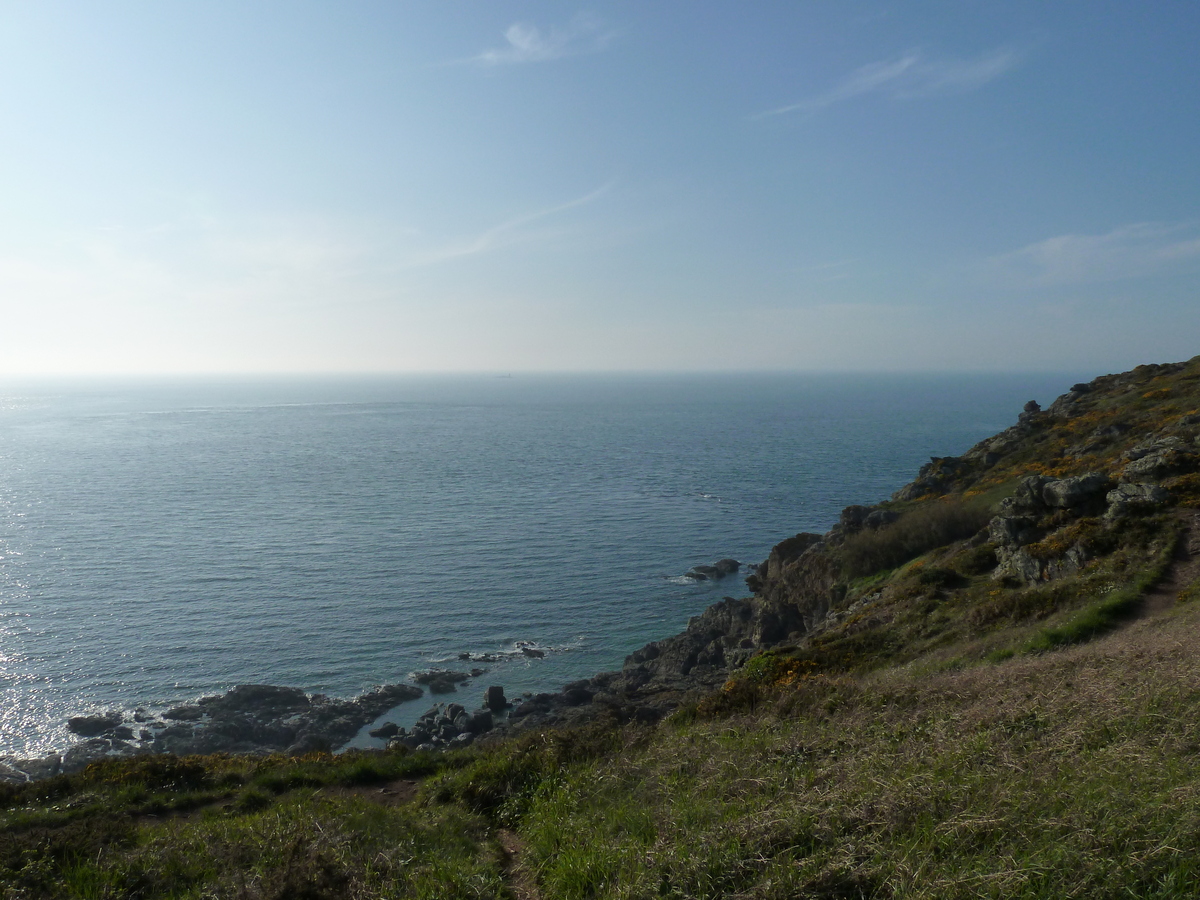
[488, 186]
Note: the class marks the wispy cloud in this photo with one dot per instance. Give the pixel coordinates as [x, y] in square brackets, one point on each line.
[1132, 251]
[526, 43]
[507, 232]
[907, 77]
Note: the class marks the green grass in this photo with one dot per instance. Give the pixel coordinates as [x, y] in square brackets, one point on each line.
[1057, 776]
[240, 827]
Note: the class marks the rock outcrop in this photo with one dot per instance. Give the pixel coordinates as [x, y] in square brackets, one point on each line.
[250, 718]
[716, 571]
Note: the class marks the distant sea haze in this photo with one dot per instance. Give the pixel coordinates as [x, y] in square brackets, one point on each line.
[160, 542]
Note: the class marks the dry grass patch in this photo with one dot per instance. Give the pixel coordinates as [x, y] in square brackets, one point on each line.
[1069, 774]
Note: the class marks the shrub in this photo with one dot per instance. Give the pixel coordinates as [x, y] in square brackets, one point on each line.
[927, 527]
[975, 561]
[1184, 489]
[252, 800]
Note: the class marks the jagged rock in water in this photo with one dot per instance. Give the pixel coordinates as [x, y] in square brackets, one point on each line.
[184, 713]
[258, 698]
[494, 698]
[431, 675]
[92, 726]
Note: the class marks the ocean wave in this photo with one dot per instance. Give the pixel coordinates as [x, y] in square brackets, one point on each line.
[517, 650]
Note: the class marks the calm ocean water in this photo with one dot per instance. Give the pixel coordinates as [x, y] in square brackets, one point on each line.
[159, 542]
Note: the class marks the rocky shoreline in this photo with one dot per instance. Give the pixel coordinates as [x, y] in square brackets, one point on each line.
[654, 681]
[250, 718]
[262, 719]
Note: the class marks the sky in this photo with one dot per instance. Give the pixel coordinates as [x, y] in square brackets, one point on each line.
[435, 185]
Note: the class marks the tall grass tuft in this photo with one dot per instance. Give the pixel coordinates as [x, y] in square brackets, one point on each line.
[927, 527]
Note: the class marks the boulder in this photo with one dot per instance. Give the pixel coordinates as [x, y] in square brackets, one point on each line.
[703, 573]
[852, 518]
[10, 774]
[417, 736]
[374, 704]
[727, 566]
[1012, 531]
[533, 653]
[1159, 464]
[1027, 498]
[259, 699]
[1067, 493]
[878, 518]
[577, 696]
[310, 742]
[1127, 499]
[386, 730]
[91, 726]
[494, 698]
[182, 714]
[45, 767]
[481, 721]
[431, 675]
[1019, 564]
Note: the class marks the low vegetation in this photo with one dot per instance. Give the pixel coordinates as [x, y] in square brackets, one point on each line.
[917, 531]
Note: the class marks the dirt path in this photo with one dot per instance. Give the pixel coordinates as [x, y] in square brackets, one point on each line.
[394, 793]
[520, 879]
[1184, 569]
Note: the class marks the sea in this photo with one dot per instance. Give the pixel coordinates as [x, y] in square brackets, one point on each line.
[166, 540]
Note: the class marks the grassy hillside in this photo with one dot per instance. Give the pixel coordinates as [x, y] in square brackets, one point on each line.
[999, 698]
